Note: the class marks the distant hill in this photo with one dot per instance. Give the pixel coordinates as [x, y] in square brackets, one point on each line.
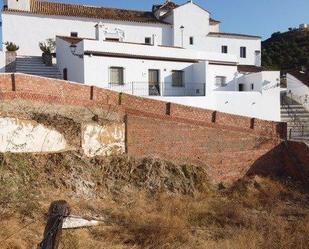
[286, 51]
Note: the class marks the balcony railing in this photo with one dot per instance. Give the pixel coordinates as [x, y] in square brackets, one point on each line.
[160, 89]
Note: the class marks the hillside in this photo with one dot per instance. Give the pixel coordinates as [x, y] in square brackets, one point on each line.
[147, 203]
[286, 51]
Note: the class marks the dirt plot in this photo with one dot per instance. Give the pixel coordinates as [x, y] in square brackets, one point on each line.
[147, 203]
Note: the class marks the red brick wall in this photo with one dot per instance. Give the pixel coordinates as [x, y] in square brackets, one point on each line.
[229, 146]
[227, 154]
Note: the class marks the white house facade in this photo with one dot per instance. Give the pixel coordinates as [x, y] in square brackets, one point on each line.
[174, 53]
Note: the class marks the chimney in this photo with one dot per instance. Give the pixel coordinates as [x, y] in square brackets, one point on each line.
[23, 5]
[99, 32]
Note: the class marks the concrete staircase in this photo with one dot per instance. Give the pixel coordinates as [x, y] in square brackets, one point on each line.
[297, 118]
[34, 65]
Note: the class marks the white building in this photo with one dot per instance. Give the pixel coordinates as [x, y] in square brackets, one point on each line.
[173, 52]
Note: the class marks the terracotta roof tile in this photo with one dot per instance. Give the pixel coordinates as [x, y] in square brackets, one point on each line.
[74, 10]
[166, 6]
[249, 69]
[213, 21]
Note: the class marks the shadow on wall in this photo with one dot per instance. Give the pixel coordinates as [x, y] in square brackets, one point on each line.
[286, 159]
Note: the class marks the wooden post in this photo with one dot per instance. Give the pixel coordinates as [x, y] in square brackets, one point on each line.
[58, 210]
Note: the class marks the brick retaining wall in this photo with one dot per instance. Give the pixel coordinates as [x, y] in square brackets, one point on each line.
[228, 145]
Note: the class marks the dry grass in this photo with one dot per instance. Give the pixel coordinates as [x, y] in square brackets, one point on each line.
[148, 204]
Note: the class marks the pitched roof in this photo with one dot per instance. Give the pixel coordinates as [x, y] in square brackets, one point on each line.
[74, 10]
[302, 76]
[166, 6]
[213, 21]
[249, 69]
[221, 34]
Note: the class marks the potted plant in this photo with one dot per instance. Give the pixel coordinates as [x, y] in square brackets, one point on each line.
[10, 56]
[47, 48]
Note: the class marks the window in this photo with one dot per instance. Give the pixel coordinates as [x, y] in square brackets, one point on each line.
[177, 78]
[74, 34]
[191, 40]
[243, 52]
[252, 87]
[241, 87]
[224, 50]
[147, 40]
[112, 39]
[116, 75]
[220, 81]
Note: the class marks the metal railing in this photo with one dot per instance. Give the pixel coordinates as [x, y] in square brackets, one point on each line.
[159, 89]
[298, 124]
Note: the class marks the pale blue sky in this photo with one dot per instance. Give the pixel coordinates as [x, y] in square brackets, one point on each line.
[258, 17]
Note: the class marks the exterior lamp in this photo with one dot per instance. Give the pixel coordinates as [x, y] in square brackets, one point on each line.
[73, 51]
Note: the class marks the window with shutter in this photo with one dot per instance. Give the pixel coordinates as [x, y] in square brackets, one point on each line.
[220, 81]
[116, 75]
[177, 78]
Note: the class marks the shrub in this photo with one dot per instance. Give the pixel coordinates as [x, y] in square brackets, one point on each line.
[48, 46]
[10, 46]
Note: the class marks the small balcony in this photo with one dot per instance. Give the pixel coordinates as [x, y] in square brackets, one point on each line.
[159, 89]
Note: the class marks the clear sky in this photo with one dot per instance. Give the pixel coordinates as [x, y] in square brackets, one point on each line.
[257, 17]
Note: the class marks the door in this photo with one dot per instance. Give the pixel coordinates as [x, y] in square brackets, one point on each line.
[65, 74]
[241, 87]
[154, 82]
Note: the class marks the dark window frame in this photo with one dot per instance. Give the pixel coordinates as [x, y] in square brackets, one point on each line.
[191, 40]
[148, 40]
[224, 49]
[178, 84]
[74, 34]
[243, 52]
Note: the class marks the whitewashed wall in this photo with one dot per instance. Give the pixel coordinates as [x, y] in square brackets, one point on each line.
[298, 90]
[228, 71]
[28, 136]
[27, 30]
[196, 23]
[2, 61]
[17, 4]
[103, 140]
[214, 28]
[263, 105]
[73, 64]
[252, 44]
[136, 71]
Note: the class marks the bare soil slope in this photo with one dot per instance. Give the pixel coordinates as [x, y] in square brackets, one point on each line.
[147, 203]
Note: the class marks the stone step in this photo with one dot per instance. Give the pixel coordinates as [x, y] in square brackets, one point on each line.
[298, 121]
[300, 114]
[34, 65]
[53, 70]
[293, 110]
